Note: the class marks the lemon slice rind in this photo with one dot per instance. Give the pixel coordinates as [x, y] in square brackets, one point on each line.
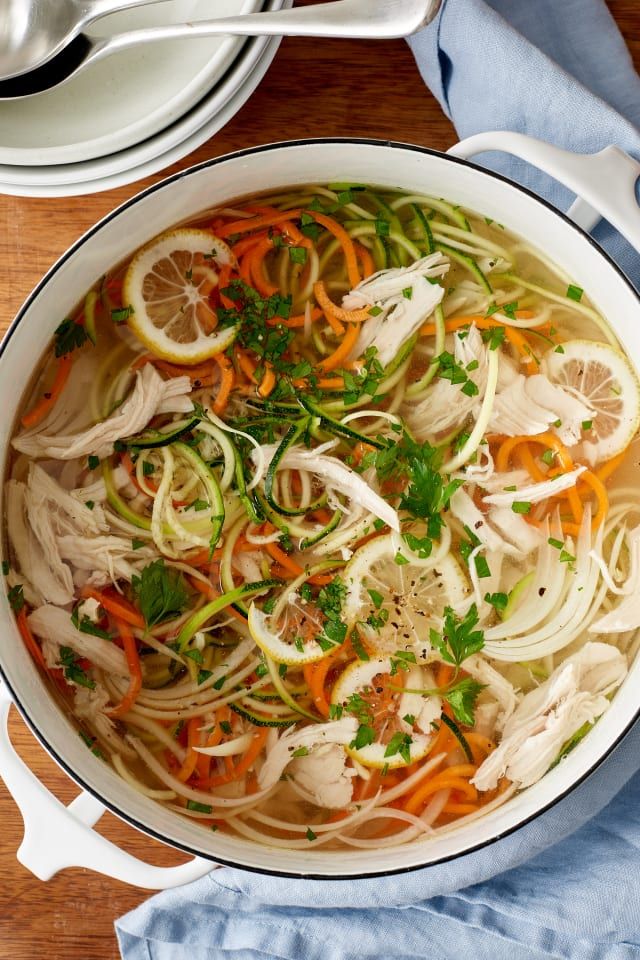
[142, 273]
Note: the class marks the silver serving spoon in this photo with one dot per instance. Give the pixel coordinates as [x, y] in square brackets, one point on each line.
[366, 19]
[34, 31]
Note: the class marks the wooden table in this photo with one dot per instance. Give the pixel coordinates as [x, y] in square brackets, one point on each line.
[71, 918]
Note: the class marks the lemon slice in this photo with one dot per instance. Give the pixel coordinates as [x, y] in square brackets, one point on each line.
[370, 686]
[394, 598]
[167, 287]
[603, 379]
[294, 644]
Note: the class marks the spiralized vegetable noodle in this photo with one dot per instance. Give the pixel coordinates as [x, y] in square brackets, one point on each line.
[321, 517]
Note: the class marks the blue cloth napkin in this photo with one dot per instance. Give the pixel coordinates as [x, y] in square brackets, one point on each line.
[568, 884]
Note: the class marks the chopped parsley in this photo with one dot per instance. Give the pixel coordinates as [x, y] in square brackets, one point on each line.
[482, 567]
[521, 506]
[365, 381]
[449, 369]
[365, 735]
[199, 807]
[73, 672]
[198, 505]
[85, 625]
[401, 660]
[15, 597]
[498, 601]
[400, 743]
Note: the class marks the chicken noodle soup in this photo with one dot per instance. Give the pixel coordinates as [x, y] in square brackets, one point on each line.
[319, 517]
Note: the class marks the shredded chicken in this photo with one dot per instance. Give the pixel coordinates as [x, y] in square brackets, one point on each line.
[500, 530]
[401, 314]
[280, 752]
[49, 525]
[337, 476]
[90, 706]
[150, 395]
[523, 405]
[575, 694]
[497, 688]
[446, 406]
[531, 405]
[54, 625]
[323, 773]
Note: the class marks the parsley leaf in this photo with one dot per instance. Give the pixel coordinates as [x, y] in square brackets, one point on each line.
[462, 699]
[365, 735]
[400, 743]
[72, 671]
[458, 639]
[68, 337]
[160, 592]
[88, 626]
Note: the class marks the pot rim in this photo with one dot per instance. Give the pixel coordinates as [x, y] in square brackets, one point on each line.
[112, 215]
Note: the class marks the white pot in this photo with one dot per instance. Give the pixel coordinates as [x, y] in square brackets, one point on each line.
[57, 837]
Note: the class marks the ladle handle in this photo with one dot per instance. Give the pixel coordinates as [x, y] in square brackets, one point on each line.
[364, 19]
[94, 9]
[604, 182]
[57, 837]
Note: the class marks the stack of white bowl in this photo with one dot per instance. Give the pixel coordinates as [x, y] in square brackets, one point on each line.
[137, 111]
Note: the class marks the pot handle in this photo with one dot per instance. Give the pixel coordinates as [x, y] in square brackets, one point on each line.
[57, 837]
[604, 182]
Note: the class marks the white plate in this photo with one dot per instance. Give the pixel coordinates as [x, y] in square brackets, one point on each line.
[209, 126]
[126, 98]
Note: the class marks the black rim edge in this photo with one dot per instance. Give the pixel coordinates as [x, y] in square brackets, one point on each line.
[77, 778]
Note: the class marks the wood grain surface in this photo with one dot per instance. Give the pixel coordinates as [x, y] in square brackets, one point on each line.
[349, 88]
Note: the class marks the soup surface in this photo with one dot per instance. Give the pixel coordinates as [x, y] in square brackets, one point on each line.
[320, 517]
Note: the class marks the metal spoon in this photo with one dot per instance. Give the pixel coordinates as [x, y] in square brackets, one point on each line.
[34, 31]
[366, 19]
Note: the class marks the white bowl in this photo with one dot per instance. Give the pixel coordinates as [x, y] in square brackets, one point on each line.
[168, 146]
[185, 195]
[258, 60]
[126, 98]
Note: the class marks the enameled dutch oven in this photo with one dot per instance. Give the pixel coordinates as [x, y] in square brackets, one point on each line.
[57, 837]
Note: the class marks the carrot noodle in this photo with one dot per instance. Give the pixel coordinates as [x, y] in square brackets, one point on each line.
[451, 777]
[365, 258]
[227, 382]
[50, 398]
[135, 670]
[256, 223]
[119, 607]
[30, 641]
[341, 354]
[338, 313]
[346, 243]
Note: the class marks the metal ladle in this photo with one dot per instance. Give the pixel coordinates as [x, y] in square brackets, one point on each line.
[366, 19]
[34, 31]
